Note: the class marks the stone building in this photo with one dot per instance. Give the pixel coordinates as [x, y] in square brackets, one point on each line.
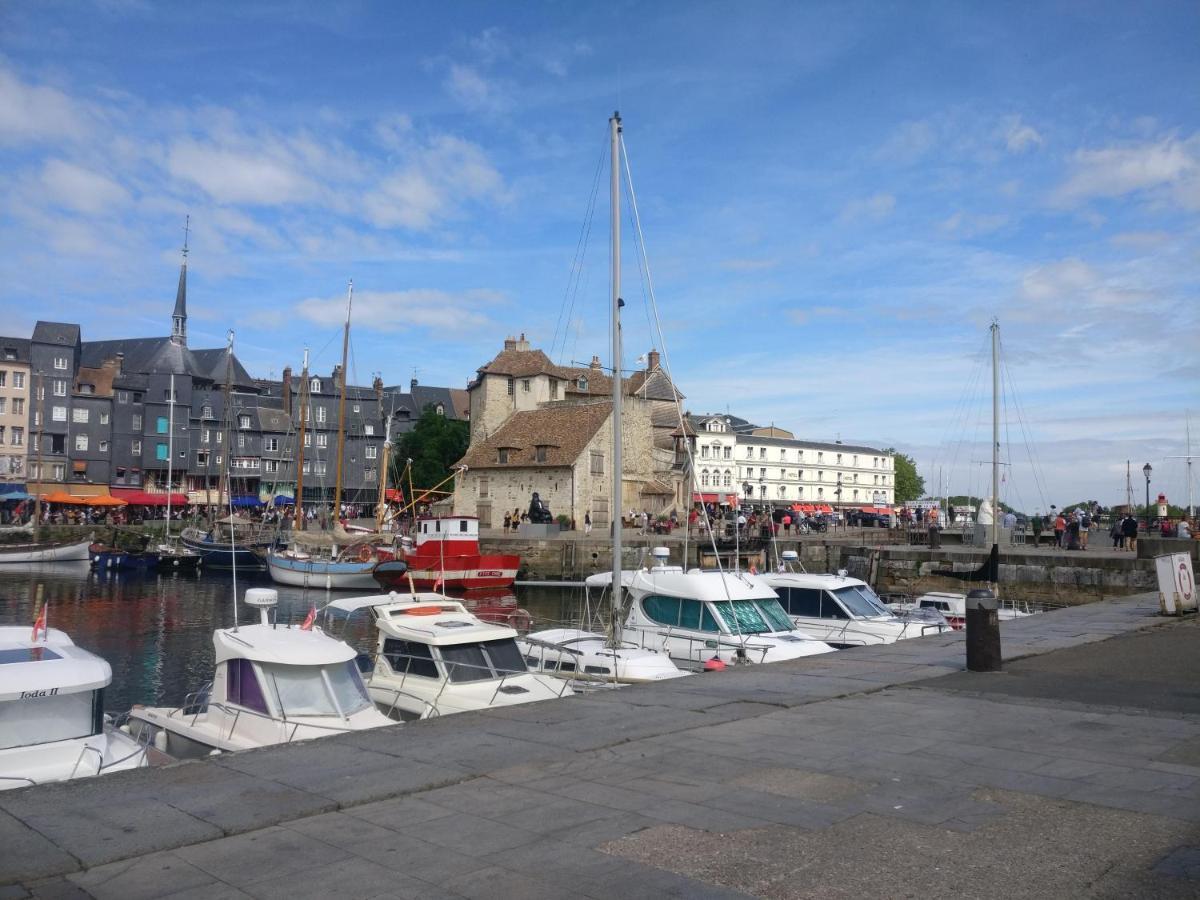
[15, 390]
[520, 398]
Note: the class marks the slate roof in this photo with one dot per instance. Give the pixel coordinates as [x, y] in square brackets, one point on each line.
[153, 356]
[274, 420]
[56, 333]
[20, 345]
[181, 293]
[212, 365]
[563, 429]
[812, 445]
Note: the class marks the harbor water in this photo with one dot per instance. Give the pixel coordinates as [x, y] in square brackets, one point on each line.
[156, 630]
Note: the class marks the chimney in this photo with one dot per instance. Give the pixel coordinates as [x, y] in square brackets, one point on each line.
[523, 344]
[510, 343]
[120, 363]
[412, 385]
[377, 384]
[287, 389]
[595, 366]
[652, 360]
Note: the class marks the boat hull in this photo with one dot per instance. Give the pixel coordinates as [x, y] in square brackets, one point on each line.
[320, 573]
[468, 572]
[222, 556]
[27, 553]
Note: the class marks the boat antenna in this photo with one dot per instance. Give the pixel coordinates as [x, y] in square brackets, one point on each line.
[614, 130]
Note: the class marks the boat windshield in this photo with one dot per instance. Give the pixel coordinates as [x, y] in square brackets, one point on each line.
[861, 602]
[41, 720]
[482, 660]
[332, 690]
[774, 613]
[744, 617]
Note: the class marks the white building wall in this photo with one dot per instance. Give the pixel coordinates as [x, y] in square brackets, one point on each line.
[793, 471]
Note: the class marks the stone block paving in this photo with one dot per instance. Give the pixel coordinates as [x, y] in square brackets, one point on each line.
[876, 772]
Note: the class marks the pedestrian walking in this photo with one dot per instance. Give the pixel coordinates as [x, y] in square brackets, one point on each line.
[1060, 529]
[587, 523]
[1115, 533]
[1129, 530]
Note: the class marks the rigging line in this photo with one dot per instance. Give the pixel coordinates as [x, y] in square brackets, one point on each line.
[969, 403]
[577, 260]
[665, 362]
[956, 423]
[1034, 464]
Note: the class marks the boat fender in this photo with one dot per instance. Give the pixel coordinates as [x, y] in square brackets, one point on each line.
[364, 553]
[160, 740]
[716, 664]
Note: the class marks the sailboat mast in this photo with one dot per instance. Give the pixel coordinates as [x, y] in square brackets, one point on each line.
[170, 448]
[614, 127]
[381, 504]
[302, 397]
[41, 468]
[341, 445]
[223, 486]
[995, 434]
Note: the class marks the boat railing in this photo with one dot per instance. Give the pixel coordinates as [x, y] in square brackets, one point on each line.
[431, 708]
[24, 781]
[714, 643]
[452, 666]
[83, 753]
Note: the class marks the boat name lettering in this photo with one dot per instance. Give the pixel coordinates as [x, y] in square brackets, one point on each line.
[34, 695]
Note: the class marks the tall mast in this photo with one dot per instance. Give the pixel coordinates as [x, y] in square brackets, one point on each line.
[614, 128]
[223, 487]
[298, 510]
[381, 505]
[170, 447]
[41, 420]
[995, 435]
[341, 444]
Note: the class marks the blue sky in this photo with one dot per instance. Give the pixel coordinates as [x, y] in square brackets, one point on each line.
[837, 198]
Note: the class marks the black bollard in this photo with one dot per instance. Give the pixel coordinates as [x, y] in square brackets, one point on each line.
[983, 632]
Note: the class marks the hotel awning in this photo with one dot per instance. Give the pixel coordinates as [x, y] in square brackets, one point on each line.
[727, 498]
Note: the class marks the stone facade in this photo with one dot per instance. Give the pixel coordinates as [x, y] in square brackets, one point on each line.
[15, 391]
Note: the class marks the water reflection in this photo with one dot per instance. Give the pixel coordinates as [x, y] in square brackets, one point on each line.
[155, 630]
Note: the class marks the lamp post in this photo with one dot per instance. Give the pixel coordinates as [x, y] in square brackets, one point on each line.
[838, 494]
[1146, 470]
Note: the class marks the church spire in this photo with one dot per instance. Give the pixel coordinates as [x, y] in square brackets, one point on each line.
[179, 316]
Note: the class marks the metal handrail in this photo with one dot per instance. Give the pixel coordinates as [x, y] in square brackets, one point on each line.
[691, 639]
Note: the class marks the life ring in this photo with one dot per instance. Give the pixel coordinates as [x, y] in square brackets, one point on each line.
[364, 553]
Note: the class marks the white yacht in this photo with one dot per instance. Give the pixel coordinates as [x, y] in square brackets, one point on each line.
[953, 606]
[842, 611]
[273, 684]
[578, 655]
[699, 616]
[435, 658]
[52, 722]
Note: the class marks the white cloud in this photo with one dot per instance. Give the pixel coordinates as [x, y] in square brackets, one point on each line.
[1117, 171]
[80, 189]
[473, 91]
[1069, 284]
[969, 225]
[907, 143]
[447, 312]
[875, 208]
[1019, 137]
[234, 175]
[30, 113]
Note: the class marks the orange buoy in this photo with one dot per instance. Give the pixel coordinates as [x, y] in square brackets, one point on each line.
[364, 553]
[716, 664]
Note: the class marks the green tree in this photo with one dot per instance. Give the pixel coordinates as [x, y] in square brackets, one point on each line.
[434, 445]
[909, 485]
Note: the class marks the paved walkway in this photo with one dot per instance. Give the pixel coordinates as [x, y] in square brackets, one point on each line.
[882, 771]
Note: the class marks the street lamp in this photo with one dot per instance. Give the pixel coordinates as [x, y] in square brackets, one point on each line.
[1146, 470]
[838, 494]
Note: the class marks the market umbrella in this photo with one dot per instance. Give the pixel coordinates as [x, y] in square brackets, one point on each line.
[105, 501]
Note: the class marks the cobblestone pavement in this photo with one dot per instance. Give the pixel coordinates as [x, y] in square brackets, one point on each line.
[883, 771]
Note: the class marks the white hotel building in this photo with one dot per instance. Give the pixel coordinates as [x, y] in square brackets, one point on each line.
[769, 465]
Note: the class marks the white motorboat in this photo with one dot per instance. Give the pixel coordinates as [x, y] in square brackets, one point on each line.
[435, 658]
[45, 551]
[273, 684]
[842, 611]
[578, 655]
[52, 722]
[953, 606]
[700, 616]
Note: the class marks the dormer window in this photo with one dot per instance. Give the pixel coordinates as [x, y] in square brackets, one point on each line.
[315, 385]
[206, 412]
[440, 409]
[582, 383]
[541, 453]
[502, 455]
[243, 421]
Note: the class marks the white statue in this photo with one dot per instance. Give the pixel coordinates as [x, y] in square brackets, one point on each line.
[986, 515]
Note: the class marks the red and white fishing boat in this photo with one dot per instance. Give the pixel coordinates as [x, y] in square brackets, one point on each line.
[446, 555]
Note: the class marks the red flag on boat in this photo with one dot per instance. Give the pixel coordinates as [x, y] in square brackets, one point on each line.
[753, 569]
[309, 619]
[39, 622]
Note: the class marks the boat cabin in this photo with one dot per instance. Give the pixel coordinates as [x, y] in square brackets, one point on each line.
[828, 597]
[449, 529]
[50, 690]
